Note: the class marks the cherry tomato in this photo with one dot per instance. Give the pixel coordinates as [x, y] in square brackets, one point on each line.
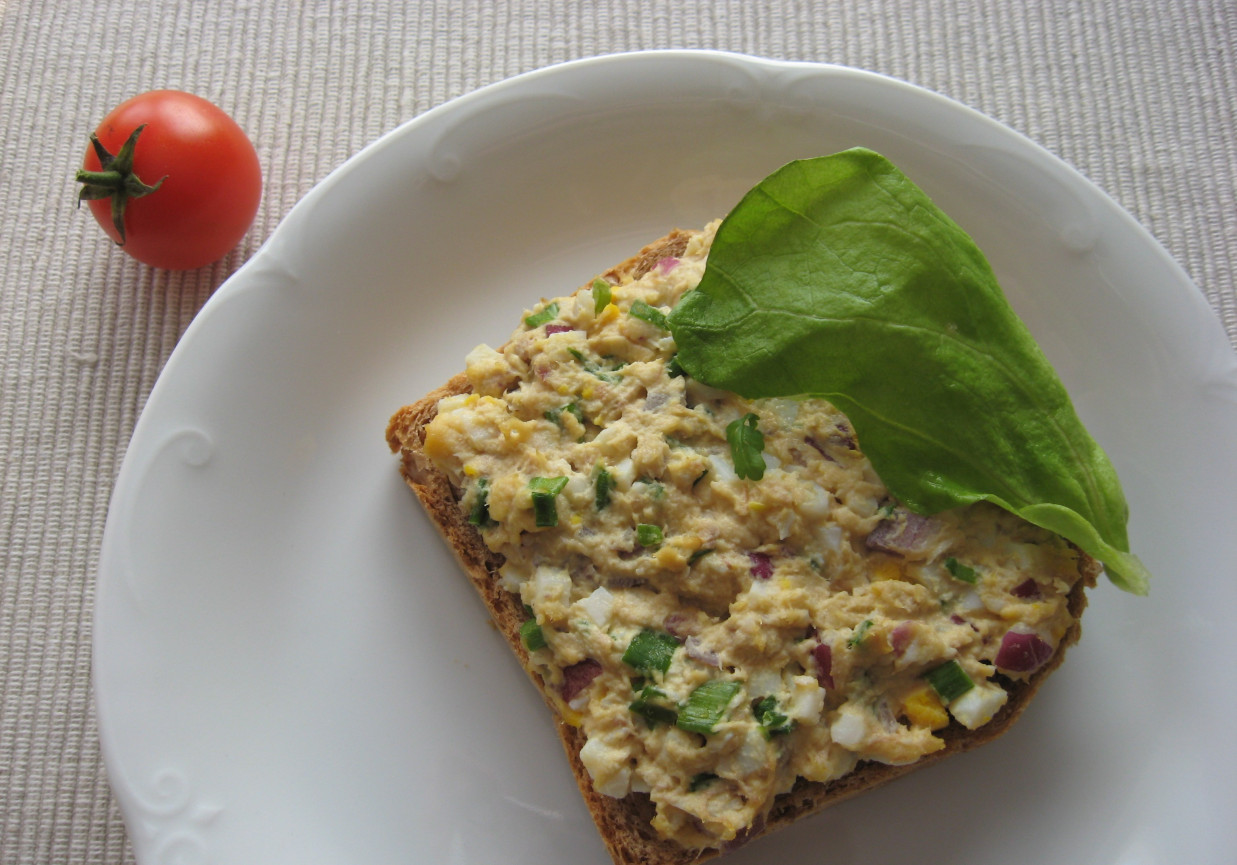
[187, 189]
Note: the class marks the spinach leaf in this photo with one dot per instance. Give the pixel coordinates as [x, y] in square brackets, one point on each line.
[837, 277]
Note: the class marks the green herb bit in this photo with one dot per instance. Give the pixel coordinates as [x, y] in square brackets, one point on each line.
[770, 719]
[699, 478]
[479, 513]
[601, 295]
[747, 444]
[547, 314]
[960, 571]
[654, 712]
[651, 651]
[592, 367]
[674, 369]
[657, 490]
[949, 681]
[699, 782]
[699, 554]
[861, 634]
[651, 314]
[649, 535]
[544, 491]
[531, 636]
[603, 485]
[706, 706]
[555, 415]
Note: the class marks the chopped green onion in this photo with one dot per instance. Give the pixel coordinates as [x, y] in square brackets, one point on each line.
[603, 484]
[656, 489]
[548, 313]
[699, 554]
[544, 490]
[591, 366]
[601, 295]
[555, 415]
[746, 447]
[651, 314]
[707, 704]
[767, 715]
[861, 634]
[700, 781]
[651, 651]
[653, 712]
[649, 535]
[531, 636]
[960, 571]
[949, 681]
[479, 514]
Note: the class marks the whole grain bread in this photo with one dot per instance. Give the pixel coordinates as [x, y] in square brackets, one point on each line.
[624, 824]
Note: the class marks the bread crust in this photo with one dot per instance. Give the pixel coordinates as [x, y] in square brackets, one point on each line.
[624, 824]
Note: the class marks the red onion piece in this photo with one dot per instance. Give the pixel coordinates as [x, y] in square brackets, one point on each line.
[906, 532]
[901, 637]
[577, 677]
[1026, 589]
[679, 625]
[556, 328]
[762, 565]
[693, 649]
[667, 264]
[823, 655]
[1022, 653]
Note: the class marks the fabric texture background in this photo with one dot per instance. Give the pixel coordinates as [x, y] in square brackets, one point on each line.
[1139, 95]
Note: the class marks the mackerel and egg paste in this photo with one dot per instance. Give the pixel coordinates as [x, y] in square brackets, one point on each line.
[830, 607]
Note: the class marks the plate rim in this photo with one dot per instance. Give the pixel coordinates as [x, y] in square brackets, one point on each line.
[267, 254]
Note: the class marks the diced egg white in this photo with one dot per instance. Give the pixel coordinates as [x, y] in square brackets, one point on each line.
[598, 605]
[850, 728]
[978, 706]
[807, 700]
[607, 766]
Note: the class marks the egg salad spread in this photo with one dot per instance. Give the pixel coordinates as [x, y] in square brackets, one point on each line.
[720, 592]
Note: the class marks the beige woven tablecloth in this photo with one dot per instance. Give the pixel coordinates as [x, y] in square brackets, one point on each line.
[1139, 95]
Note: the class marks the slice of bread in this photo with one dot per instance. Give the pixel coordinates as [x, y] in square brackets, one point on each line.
[624, 823]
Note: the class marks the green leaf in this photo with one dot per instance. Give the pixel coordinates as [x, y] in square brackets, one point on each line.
[651, 314]
[949, 681]
[860, 634]
[649, 535]
[706, 705]
[479, 513]
[532, 636]
[837, 277]
[747, 445]
[547, 314]
[651, 705]
[959, 571]
[544, 491]
[769, 717]
[603, 485]
[601, 295]
[651, 651]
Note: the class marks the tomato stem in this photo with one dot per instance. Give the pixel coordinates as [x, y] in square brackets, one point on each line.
[116, 179]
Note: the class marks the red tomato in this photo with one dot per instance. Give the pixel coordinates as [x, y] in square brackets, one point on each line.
[211, 180]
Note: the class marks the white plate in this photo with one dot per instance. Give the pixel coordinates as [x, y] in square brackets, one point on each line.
[289, 669]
